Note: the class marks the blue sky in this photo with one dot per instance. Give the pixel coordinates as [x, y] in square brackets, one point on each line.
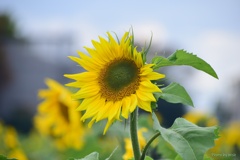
[210, 29]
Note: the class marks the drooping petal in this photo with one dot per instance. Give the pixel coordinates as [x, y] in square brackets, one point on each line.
[93, 108]
[145, 105]
[114, 110]
[126, 106]
[133, 102]
[145, 96]
[104, 112]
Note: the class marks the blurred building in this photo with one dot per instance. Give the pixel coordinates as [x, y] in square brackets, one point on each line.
[24, 65]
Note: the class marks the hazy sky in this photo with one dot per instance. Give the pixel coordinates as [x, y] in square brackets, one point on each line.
[210, 29]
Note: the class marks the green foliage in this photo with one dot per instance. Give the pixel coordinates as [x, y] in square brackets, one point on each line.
[2, 157]
[165, 149]
[110, 157]
[148, 158]
[188, 140]
[175, 93]
[94, 156]
[91, 156]
[181, 57]
[146, 50]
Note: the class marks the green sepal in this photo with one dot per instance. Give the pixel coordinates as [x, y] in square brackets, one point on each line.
[175, 93]
[188, 140]
[181, 57]
[146, 50]
[153, 105]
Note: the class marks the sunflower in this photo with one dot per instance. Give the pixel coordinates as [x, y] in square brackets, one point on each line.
[128, 144]
[116, 80]
[201, 119]
[10, 144]
[57, 116]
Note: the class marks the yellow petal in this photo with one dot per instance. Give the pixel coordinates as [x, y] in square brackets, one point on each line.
[145, 96]
[109, 122]
[44, 93]
[103, 112]
[126, 106]
[83, 77]
[53, 85]
[93, 108]
[133, 102]
[90, 60]
[137, 57]
[154, 76]
[115, 110]
[91, 122]
[85, 64]
[146, 69]
[86, 102]
[86, 92]
[145, 105]
[148, 86]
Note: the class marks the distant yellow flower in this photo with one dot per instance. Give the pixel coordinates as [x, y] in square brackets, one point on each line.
[58, 118]
[18, 154]
[201, 119]
[128, 144]
[115, 82]
[10, 137]
[229, 140]
[10, 147]
[232, 133]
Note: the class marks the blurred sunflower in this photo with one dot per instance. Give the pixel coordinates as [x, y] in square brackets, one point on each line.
[201, 119]
[115, 82]
[128, 144]
[10, 145]
[57, 116]
[229, 140]
[232, 133]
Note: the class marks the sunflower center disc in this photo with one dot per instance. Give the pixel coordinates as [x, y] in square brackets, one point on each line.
[119, 79]
[64, 111]
[121, 74]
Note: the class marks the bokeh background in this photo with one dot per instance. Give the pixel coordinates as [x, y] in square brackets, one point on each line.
[37, 36]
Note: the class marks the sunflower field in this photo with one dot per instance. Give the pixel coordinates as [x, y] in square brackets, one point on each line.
[110, 111]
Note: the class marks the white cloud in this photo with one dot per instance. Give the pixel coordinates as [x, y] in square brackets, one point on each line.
[221, 50]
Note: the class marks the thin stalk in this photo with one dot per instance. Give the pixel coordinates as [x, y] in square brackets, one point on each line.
[148, 144]
[134, 135]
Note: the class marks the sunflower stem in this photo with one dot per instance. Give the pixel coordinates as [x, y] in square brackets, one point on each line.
[148, 144]
[134, 135]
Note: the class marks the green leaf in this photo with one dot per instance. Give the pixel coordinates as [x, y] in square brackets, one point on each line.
[181, 57]
[112, 154]
[91, 156]
[165, 149]
[148, 158]
[2, 157]
[175, 93]
[187, 139]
